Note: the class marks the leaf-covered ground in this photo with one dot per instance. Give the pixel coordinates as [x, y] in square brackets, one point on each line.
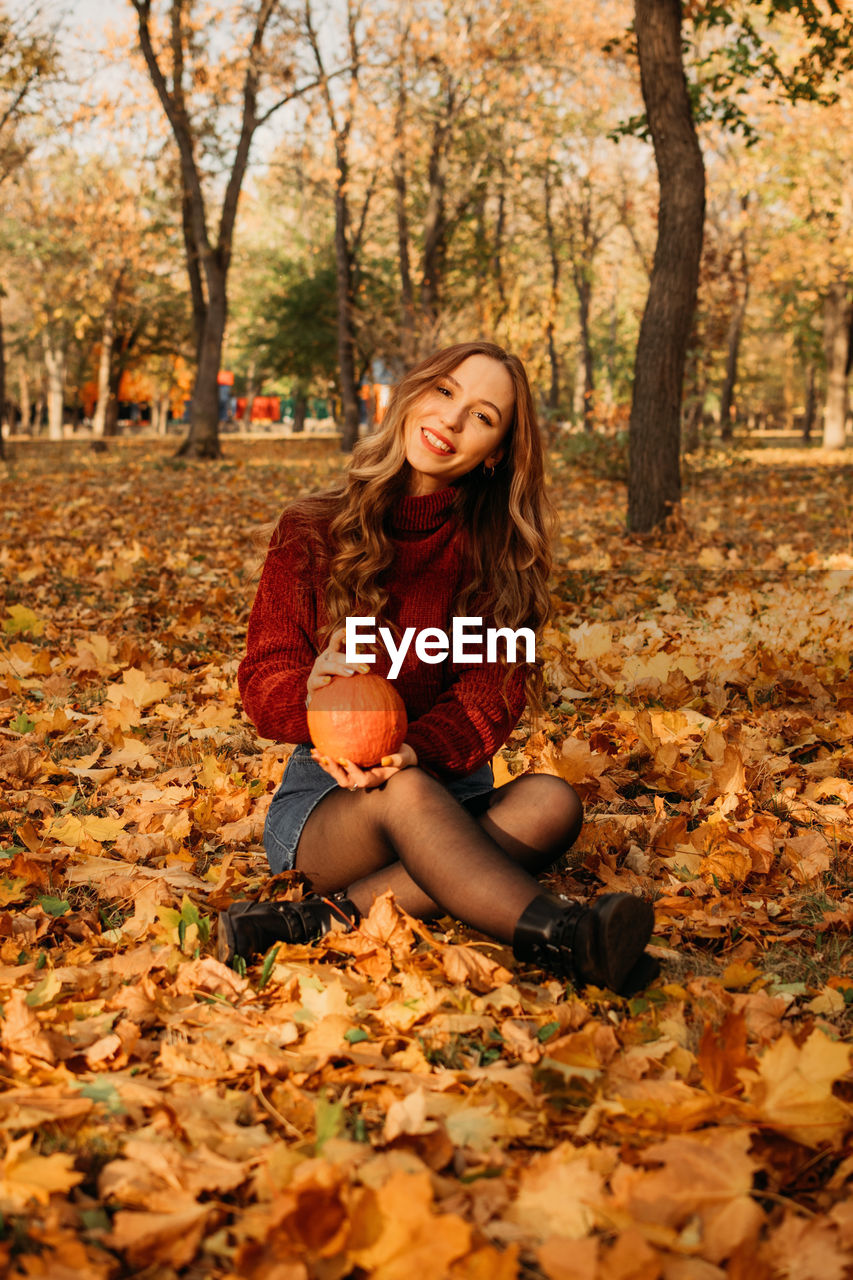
[407, 1101]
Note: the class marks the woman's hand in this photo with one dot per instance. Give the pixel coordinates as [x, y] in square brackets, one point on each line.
[331, 662]
[349, 775]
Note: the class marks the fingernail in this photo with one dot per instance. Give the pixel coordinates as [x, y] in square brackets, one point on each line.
[349, 671]
[385, 760]
[324, 759]
[364, 669]
[325, 679]
[341, 761]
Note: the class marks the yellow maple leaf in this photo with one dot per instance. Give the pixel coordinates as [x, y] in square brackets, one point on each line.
[792, 1089]
[396, 1235]
[137, 688]
[22, 619]
[557, 1194]
[77, 832]
[25, 1177]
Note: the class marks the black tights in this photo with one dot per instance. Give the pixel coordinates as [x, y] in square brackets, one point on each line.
[412, 836]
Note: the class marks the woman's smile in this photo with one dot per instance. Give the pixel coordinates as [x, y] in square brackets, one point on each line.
[438, 444]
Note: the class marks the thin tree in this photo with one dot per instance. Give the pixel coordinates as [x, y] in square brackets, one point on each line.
[348, 237]
[28, 59]
[208, 254]
[654, 481]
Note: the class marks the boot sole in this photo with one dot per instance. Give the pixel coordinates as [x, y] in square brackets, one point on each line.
[641, 975]
[623, 925]
[225, 941]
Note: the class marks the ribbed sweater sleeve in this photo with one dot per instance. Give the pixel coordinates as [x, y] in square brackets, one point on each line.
[280, 650]
[469, 722]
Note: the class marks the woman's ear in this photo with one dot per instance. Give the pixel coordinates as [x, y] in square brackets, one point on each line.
[494, 458]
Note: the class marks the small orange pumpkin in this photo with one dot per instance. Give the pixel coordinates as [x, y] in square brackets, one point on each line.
[357, 718]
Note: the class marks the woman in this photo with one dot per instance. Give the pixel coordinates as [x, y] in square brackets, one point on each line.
[442, 514]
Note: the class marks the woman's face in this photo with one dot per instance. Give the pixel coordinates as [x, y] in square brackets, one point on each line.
[458, 423]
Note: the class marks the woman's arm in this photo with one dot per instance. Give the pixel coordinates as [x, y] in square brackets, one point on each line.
[469, 722]
[280, 646]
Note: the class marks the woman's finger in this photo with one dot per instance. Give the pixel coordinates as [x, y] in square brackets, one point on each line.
[333, 769]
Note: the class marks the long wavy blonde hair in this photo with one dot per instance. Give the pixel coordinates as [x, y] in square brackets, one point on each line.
[507, 522]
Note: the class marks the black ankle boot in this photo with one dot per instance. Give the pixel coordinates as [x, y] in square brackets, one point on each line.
[248, 928]
[602, 945]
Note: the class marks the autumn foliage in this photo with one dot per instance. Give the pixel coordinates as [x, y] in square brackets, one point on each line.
[405, 1099]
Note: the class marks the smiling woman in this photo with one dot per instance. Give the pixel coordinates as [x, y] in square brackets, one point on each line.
[442, 519]
[464, 417]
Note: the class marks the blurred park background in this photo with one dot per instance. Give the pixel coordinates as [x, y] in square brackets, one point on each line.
[253, 217]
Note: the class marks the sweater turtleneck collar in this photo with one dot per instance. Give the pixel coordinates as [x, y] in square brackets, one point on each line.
[424, 512]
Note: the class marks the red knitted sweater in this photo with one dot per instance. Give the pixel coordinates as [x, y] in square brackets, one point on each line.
[457, 715]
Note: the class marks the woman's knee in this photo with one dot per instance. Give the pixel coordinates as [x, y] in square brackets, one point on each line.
[558, 805]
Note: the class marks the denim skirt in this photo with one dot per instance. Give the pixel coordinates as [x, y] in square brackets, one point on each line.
[304, 784]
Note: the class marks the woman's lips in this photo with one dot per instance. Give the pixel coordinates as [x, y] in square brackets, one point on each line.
[442, 453]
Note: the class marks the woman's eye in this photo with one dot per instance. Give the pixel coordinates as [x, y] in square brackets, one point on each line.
[445, 391]
[484, 417]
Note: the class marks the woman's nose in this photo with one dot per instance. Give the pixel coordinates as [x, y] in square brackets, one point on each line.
[452, 417]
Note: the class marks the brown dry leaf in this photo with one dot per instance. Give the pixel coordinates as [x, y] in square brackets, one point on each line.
[487, 1263]
[808, 855]
[171, 1239]
[387, 924]
[564, 1258]
[21, 1032]
[30, 1108]
[27, 1177]
[706, 1179]
[135, 687]
[630, 1257]
[804, 1250]
[558, 1194]
[396, 1235]
[472, 967]
[723, 1052]
[408, 1115]
[792, 1089]
[728, 776]
[210, 977]
[61, 1256]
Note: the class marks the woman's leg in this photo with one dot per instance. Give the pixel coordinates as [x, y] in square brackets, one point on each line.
[412, 836]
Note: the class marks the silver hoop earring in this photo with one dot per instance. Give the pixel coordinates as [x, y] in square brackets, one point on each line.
[488, 471]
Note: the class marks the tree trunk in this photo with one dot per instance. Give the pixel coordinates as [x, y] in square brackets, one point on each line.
[836, 338]
[116, 370]
[2, 382]
[165, 402]
[24, 395]
[434, 227]
[54, 359]
[99, 417]
[202, 440]
[693, 421]
[250, 396]
[654, 476]
[199, 304]
[735, 333]
[586, 372]
[346, 341]
[407, 293]
[553, 303]
[727, 393]
[811, 403]
[498, 246]
[300, 410]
